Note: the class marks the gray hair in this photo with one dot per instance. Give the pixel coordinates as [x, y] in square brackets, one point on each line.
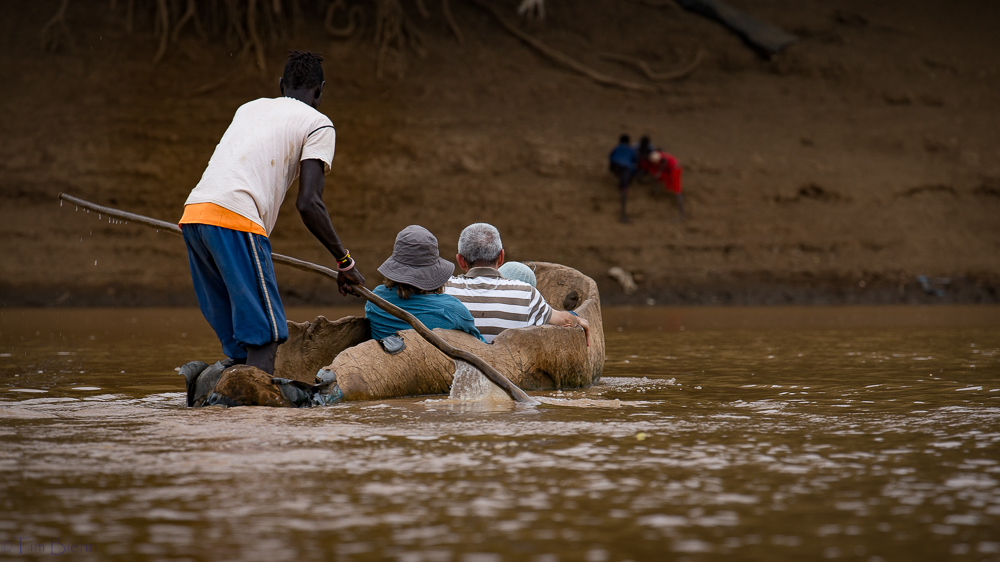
[480, 244]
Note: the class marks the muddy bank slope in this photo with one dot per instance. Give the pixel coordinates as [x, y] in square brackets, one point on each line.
[865, 156]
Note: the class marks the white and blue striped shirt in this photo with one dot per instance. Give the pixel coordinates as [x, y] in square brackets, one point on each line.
[497, 303]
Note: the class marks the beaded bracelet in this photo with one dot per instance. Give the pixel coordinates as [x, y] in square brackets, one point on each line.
[343, 260]
[348, 268]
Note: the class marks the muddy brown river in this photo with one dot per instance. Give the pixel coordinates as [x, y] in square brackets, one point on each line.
[715, 434]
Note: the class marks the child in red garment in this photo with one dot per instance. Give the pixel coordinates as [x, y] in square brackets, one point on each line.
[664, 167]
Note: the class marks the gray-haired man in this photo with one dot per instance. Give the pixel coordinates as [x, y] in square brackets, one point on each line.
[497, 303]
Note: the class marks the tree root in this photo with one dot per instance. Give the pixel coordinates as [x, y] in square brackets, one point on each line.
[56, 32]
[451, 22]
[677, 74]
[129, 15]
[423, 9]
[233, 26]
[532, 9]
[563, 59]
[251, 25]
[255, 41]
[247, 25]
[190, 14]
[355, 19]
[216, 83]
[393, 33]
[163, 15]
[660, 4]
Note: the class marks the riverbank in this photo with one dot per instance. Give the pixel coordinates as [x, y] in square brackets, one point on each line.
[865, 156]
[753, 292]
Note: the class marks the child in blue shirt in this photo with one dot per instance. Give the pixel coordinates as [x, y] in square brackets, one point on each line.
[622, 162]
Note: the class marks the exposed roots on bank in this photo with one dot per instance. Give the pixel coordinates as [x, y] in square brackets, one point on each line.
[251, 27]
[643, 66]
[56, 33]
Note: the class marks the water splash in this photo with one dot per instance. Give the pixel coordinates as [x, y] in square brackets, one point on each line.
[470, 385]
[580, 402]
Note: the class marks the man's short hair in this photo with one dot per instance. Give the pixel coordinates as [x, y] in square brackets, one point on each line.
[480, 244]
[304, 70]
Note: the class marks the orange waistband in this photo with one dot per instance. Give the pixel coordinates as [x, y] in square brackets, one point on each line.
[210, 213]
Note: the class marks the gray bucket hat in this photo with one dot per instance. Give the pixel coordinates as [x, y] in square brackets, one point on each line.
[416, 261]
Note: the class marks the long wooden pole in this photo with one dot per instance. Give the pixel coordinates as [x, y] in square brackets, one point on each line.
[495, 376]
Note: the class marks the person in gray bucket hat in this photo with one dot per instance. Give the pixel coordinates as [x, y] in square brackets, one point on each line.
[416, 261]
[415, 276]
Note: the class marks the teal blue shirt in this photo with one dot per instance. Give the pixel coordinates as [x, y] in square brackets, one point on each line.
[435, 311]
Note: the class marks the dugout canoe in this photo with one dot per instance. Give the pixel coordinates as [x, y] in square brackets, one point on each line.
[327, 361]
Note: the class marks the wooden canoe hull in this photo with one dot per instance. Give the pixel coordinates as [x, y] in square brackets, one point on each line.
[535, 358]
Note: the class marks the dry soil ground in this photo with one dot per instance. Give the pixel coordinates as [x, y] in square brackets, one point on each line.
[865, 155]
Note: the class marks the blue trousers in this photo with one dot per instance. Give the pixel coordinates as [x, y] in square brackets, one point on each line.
[234, 281]
[623, 173]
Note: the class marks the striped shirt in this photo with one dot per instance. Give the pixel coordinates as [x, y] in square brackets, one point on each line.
[497, 303]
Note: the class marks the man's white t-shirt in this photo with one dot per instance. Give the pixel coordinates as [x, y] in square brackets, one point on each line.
[258, 158]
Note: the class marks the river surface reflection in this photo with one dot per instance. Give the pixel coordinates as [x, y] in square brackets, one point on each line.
[715, 434]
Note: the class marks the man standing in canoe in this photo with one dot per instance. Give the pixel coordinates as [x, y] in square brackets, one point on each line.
[231, 212]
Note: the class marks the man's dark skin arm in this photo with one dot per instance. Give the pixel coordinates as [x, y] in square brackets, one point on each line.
[314, 214]
[310, 199]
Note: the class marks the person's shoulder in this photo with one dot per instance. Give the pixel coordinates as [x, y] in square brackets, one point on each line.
[254, 105]
[500, 285]
[505, 284]
[459, 282]
[300, 109]
[445, 298]
[382, 291]
[517, 283]
[306, 109]
[456, 288]
[386, 294]
[536, 293]
[450, 302]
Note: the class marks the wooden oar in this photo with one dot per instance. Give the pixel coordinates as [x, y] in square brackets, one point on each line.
[495, 376]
